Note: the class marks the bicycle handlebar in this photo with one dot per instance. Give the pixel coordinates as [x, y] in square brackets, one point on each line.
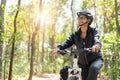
[75, 52]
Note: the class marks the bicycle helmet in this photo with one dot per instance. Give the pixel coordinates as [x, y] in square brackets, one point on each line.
[87, 14]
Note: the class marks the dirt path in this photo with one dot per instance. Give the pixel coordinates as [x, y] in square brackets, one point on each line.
[45, 76]
[48, 76]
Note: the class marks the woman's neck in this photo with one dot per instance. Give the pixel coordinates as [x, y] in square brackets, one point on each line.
[84, 29]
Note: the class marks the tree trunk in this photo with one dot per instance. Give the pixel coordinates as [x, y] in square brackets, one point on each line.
[104, 24]
[32, 55]
[95, 18]
[13, 43]
[72, 12]
[104, 20]
[29, 41]
[37, 55]
[4, 70]
[116, 17]
[106, 65]
[72, 27]
[43, 39]
[33, 44]
[3, 2]
[53, 46]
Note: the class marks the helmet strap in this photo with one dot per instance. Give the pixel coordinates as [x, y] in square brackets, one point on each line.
[84, 23]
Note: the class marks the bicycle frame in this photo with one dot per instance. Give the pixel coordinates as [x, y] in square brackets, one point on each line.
[74, 73]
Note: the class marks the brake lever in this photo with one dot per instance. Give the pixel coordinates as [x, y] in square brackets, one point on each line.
[88, 49]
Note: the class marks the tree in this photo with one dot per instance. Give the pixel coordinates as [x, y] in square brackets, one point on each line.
[72, 12]
[13, 42]
[34, 34]
[2, 6]
[116, 17]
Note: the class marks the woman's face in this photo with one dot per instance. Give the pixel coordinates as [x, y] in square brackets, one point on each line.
[82, 20]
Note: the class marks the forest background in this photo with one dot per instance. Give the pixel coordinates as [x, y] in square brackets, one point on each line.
[31, 29]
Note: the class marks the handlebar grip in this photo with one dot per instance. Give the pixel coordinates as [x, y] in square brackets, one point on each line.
[62, 52]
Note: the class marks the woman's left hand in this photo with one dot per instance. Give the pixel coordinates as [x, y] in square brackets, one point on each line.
[96, 48]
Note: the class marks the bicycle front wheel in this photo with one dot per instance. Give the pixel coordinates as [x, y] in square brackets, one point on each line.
[73, 78]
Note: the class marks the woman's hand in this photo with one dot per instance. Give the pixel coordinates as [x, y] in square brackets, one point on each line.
[55, 51]
[96, 48]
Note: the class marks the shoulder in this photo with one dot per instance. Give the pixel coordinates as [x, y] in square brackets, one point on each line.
[93, 30]
[74, 34]
[77, 32]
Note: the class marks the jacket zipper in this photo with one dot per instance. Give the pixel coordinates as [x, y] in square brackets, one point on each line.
[85, 53]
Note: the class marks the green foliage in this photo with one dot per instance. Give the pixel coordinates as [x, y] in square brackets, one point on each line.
[111, 52]
[56, 28]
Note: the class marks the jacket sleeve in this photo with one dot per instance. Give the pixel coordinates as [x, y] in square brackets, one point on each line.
[96, 38]
[67, 43]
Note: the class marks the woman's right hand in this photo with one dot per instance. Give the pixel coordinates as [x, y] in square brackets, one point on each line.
[55, 51]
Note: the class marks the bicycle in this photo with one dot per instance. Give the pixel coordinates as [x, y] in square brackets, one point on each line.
[74, 73]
